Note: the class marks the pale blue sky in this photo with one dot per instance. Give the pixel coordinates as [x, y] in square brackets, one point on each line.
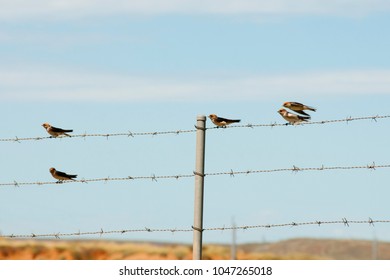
[118, 66]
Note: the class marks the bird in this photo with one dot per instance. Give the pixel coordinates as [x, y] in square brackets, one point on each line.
[298, 107]
[55, 131]
[221, 122]
[61, 176]
[291, 117]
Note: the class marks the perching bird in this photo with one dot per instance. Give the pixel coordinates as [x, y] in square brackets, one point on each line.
[221, 122]
[55, 131]
[61, 176]
[298, 107]
[292, 118]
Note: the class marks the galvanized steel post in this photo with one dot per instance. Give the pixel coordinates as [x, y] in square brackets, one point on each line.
[199, 187]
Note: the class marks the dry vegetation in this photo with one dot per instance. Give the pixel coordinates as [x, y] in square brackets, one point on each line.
[297, 249]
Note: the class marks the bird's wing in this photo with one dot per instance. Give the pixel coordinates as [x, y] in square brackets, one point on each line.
[63, 174]
[297, 104]
[219, 119]
[56, 129]
[301, 112]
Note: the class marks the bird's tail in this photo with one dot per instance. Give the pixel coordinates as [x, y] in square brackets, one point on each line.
[311, 108]
[234, 121]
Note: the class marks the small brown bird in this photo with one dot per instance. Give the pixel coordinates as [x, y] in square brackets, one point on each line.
[221, 122]
[55, 131]
[61, 176]
[298, 107]
[292, 118]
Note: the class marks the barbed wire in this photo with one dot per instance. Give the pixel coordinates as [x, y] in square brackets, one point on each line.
[102, 232]
[231, 173]
[372, 166]
[346, 120]
[105, 135]
[106, 179]
[177, 132]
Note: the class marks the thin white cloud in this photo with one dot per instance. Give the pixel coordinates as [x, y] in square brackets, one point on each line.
[52, 85]
[48, 9]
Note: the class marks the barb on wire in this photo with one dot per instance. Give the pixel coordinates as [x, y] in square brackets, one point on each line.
[177, 132]
[102, 232]
[295, 169]
[231, 173]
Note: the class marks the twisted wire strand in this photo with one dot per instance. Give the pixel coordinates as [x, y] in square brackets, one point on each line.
[346, 120]
[105, 135]
[155, 178]
[101, 232]
[177, 132]
[372, 166]
[128, 178]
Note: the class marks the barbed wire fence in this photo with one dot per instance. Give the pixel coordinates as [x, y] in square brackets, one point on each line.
[196, 229]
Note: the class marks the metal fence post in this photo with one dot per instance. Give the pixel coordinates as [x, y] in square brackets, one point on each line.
[199, 186]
